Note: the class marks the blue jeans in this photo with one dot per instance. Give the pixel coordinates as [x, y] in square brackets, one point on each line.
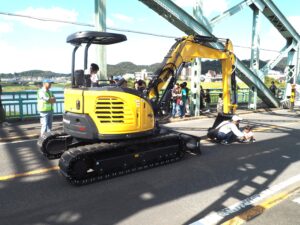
[182, 110]
[46, 121]
[226, 137]
[175, 109]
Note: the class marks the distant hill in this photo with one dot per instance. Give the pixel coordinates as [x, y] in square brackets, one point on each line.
[33, 73]
[129, 67]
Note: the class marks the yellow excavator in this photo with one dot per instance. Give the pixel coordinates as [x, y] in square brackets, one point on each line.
[112, 130]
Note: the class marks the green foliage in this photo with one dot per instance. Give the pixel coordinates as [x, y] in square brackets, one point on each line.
[268, 81]
[128, 67]
[34, 73]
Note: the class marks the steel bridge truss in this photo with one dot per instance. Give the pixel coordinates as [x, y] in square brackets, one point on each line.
[252, 76]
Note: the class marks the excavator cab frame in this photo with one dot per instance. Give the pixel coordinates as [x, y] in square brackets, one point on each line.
[89, 38]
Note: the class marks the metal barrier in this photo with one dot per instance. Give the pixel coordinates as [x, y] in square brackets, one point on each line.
[243, 95]
[20, 105]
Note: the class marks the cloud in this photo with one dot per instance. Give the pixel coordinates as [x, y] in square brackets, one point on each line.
[185, 3]
[15, 59]
[109, 22]
[208, 6]
[55, 13]
[5, 27]
[278, 42]
[141, 50]
[217, 6]
[123, 18]
[295, 21]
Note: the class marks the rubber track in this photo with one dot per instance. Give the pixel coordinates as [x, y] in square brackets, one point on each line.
[78, 153]
[42, 143]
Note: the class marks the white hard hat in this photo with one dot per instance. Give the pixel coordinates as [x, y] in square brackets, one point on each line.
[236, 118]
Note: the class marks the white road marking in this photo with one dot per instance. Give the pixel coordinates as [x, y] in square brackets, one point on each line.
[297, 200]
[215, 217]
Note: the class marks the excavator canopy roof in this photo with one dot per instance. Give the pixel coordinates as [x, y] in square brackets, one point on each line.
[95, 37]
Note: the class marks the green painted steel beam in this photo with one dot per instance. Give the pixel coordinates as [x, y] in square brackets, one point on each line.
[183, 21]
[274, 15]
[235, 9]
[100, 25]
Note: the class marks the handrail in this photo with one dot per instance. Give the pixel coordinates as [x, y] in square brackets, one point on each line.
[22, 105]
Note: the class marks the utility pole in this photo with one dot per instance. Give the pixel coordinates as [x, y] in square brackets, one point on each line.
[100, 24]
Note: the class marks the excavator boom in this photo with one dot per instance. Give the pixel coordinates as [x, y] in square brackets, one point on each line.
[185, 50]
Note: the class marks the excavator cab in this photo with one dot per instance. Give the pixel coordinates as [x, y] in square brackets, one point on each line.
[106, 112]
[88, 38]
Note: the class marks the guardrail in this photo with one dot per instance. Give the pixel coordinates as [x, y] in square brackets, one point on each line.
[20, 105]
[243, 95]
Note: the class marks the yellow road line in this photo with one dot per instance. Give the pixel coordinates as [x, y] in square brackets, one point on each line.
[259, 209]
[14, 138]
[260, 129]
[29, 173]
[45, 170]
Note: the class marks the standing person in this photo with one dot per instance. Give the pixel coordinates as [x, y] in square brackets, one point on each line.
[141, 87]
[292, 98]
[207, 100]
[202, 95]
[220, 104]
[187, 105]
[273, 88]
[94, 76]
[2, 111]
[183, 100]
[175, 99]
[46, 99]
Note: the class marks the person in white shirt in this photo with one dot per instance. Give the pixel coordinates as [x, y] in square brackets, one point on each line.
[248, 133]
[228, 131]
[94, 76]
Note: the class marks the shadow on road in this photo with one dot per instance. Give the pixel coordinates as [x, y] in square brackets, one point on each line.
[49, 199]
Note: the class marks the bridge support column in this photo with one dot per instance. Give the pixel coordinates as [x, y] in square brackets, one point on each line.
[195, 87]
[100, 24]
[254, 63]
[196, 65]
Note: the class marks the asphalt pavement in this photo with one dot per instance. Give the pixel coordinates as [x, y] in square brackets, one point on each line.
[241, 183]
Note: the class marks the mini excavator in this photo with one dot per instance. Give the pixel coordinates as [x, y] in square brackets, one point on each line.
[112, 130]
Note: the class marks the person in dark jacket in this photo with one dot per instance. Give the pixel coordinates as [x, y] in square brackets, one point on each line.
[207, 100]
[2, 111]
[202, 95]
[273, 88]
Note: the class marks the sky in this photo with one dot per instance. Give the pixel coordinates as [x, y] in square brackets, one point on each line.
[27, 44]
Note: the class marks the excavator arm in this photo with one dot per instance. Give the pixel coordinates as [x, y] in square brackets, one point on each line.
[185, 50]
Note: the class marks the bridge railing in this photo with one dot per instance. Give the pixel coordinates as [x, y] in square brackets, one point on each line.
[20, 105]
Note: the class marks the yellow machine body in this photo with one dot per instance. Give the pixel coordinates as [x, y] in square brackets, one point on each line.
[113, 112]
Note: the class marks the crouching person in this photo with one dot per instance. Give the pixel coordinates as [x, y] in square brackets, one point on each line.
[228, 131]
